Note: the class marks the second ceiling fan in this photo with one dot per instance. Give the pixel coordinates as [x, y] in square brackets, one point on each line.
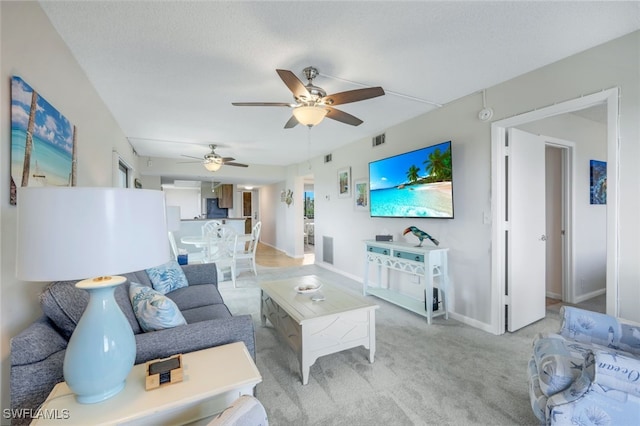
[312, 103]
[212, 161]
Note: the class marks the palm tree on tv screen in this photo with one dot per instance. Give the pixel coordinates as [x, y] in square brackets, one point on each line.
[438, 165]
[412, 173]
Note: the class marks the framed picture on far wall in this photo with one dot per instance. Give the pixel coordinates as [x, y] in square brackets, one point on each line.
[361, 194]
[344, 182]
[598, 184]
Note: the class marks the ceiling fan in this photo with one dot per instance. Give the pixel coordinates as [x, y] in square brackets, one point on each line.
[213, 161]
[312, 103]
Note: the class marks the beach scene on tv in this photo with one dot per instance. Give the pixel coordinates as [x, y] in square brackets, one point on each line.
[413, 184]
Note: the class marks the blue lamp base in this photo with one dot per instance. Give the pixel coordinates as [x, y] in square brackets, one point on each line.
[102, 348]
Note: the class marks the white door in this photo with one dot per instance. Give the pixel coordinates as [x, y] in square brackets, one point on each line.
[526, 271]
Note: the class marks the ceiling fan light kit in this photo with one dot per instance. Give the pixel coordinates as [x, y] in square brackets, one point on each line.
[309, 115]
[212, 164]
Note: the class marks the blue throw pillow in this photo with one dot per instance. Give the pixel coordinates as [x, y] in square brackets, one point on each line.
[167, 277]
[153, 310]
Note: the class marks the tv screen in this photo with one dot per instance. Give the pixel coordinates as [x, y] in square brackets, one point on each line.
[416, 184]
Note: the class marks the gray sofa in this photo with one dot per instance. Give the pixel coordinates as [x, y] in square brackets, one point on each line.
[37, 353]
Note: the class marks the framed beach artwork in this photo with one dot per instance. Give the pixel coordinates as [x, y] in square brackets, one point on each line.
[42, 142]
[598, 182]
[361, 194]
[344, 182]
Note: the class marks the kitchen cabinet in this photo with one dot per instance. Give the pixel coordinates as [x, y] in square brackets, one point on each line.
[225, 200]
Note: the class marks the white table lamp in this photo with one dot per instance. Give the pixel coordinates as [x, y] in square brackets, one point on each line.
[71, 233]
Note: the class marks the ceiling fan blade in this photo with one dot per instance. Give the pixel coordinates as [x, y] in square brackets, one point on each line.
[294, 84]
[225, 159]
[236, 164]
[293, 122]
[336, 114]
[279, 104]
[189, 156]
[353, 96]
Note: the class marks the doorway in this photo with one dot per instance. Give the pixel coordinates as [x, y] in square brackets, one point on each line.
[502, 255]
[249, 210]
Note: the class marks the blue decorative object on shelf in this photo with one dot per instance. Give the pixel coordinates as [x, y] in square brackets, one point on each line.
[421, 235]
[103, 338]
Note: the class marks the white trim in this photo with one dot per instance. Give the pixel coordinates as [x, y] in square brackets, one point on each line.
[610, 97]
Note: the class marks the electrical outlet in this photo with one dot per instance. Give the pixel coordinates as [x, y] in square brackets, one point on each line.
[415, 279]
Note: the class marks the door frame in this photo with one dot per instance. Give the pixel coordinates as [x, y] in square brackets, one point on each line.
[610, 98]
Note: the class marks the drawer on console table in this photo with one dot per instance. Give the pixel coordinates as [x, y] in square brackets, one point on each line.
[416, 257]
[379, 250]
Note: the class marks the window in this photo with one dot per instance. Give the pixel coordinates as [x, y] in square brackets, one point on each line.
[308, 204]
[123, 175]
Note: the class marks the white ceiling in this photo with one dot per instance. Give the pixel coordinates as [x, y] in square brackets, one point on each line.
[169, 70]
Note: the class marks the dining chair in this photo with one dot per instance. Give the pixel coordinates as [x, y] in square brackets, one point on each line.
[210, 225]
[221, 250]
[248, 255]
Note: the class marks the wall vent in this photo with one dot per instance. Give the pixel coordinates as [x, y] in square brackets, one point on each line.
[327, 249]
[377, 140]
[327, 158]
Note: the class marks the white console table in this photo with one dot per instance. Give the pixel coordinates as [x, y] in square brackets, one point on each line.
[429, 263]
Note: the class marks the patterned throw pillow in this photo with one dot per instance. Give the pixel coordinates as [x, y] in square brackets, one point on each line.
[167, 277]
[153, 310]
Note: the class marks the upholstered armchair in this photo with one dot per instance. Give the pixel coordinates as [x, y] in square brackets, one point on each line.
[588, 373]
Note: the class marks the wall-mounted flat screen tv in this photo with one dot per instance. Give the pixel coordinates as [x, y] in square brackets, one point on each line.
[416, 184]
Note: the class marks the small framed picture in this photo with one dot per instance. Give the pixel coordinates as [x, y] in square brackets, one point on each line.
[598, 183]
[344, 182]
[361, 194]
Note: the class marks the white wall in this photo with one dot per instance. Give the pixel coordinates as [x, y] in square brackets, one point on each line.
[32, 49]
[187, 198]
[614, 64]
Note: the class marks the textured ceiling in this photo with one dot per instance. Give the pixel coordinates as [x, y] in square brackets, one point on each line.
[168, 71]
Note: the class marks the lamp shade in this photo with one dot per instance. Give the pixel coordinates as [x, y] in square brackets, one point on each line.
[72, 233]
[309, 115]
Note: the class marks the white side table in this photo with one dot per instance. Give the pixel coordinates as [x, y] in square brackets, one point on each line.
[213, 379]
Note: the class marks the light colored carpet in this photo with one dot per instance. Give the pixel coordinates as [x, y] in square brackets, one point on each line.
[444, 374]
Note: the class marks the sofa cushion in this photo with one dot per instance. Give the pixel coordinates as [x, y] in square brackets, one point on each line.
[196, 296]
[205, 313]
[167, 277]
[64, 305]
[153, 310]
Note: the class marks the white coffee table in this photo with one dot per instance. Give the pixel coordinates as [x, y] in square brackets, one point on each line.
[315, 328]
[213, 379]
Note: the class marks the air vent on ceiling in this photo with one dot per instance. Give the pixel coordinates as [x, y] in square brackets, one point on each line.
[377, 140]
[327, 158]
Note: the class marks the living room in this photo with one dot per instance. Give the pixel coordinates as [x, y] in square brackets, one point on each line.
[41, 58]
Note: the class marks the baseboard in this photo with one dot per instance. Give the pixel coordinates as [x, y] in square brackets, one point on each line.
[332, 268]
[552, 295]
[582, 298]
